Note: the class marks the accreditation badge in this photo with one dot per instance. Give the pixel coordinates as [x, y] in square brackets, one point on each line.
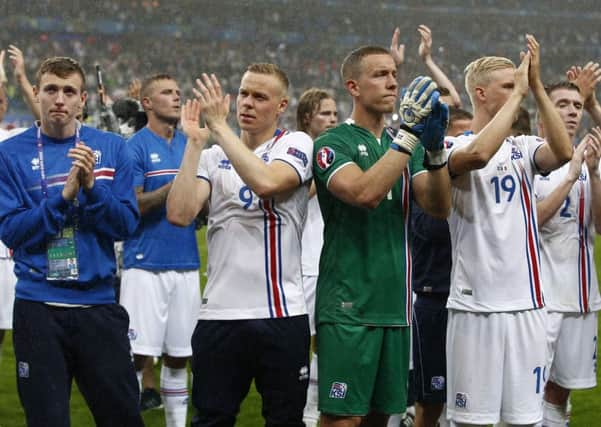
[62, 256]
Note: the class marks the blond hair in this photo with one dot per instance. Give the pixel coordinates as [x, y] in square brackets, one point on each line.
[270, 69]
[477, 73]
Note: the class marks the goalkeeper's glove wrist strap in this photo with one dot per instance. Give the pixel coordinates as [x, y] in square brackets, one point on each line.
[405, 141]
[435, 159]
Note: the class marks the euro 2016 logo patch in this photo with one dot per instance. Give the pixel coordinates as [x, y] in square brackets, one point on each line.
[325, 157]
[23, 368]
[338, 390]
[461, 400]
[437, 383]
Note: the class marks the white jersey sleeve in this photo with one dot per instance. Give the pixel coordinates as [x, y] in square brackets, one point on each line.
[254, 245]
[296, 149]
[567, 243]
[496, 261]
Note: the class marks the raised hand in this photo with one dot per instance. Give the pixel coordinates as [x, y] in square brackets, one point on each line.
[84, 160]
[521, 74]
[593, 151]
[3, 78]
[575, 167]
[425, 46]
[18, 61]
[416, 105]
[534, 78]
[397, 51]
[213, 104]
[586, 78]
[190, 122]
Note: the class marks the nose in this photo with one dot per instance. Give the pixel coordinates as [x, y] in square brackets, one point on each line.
[391, 82]
[60, 97]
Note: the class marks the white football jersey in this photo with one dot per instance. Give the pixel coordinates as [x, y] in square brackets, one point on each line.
[496, 261]
[312, 239]
[254, 245]
[567, 241]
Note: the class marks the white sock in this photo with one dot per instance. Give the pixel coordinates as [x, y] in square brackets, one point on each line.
[311, 411]
[174, 391]
[139, 377]
[394, 420]
[554, 415]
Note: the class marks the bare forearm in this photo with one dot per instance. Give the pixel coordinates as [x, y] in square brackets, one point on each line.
[477, 154]
[368, 188]
[433, 194]
[28, 96]
[184, 200]
[594, 110]
[546, 208]
[442, 80]
[253, 170]
[153, 200]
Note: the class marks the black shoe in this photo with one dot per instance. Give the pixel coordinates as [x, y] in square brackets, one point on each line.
[150, 399]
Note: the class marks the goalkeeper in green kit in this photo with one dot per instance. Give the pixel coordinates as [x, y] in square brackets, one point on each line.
[365, 174]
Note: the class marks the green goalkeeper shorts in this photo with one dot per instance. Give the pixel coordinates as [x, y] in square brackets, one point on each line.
[362, 369]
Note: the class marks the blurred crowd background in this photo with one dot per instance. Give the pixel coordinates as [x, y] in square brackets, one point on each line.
[307, 38]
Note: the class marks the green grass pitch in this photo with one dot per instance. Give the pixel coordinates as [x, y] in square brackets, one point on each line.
[585, 410]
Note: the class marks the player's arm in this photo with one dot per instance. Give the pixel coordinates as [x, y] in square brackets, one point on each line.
[149, 201]
[23, 225]
[110, 206]
[368, 188]
[557, 148]
[441, 79]
[586, 78]
[189, 194]
[487, 142]
[432, 192]
[18, 61]
[263, 179]
[547, 207]
[592, 156]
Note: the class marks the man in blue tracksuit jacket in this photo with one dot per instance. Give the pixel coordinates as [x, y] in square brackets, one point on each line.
[66, 194]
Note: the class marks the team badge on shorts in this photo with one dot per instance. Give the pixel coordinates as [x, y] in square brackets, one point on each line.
[461, 400]
[132, 335]
[23, 369]
[437, 383]
[325, 157]
[338, 390]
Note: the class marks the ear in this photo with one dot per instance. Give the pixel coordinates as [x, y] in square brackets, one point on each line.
[36, 92]
[353, 87]
[84, 96]
[283, 105]
[480, 93]
[146, 103]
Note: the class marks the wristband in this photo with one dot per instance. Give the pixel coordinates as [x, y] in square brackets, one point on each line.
[435, 159]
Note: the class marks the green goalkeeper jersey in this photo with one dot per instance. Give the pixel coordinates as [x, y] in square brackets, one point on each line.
[365, 263]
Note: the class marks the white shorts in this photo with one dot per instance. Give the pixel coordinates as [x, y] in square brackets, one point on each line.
[163, 309]
[495, 366]
[7, 292]
[309, 289]
[572, 340]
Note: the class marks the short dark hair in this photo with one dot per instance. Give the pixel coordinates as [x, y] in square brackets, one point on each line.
[61, 66]
[307, 104]
[562, 84]
[270, 69]
[351, 66]
[459, 114]
[149, 81]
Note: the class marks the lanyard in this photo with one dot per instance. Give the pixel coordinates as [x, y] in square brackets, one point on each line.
[40, 145]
